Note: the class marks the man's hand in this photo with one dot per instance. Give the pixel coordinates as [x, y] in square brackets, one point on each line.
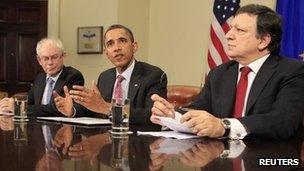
[161, 107]
[6, 123]
[64, 104]
[90, 98]
[7, 105]
[64, 137]
[202, 153]
[89, 148]
[203, 123]
[157, 159]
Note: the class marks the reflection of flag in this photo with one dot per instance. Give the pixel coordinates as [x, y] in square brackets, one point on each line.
[223, 12]
[292, 12]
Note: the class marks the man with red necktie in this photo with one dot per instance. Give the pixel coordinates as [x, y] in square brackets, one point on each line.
[256, 94]
[128, 79]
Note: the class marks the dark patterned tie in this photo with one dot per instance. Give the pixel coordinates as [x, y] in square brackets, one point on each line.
[241, 92]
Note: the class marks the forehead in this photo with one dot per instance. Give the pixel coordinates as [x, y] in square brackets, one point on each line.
[116, 33]
[49, 48]
[244, 20]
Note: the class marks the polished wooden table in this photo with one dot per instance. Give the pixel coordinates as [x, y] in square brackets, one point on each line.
[37, 145]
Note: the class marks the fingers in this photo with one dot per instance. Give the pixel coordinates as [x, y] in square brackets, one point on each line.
[162, 108]
[155, 120]
[156, 97]
[55, 94]
[66, 91]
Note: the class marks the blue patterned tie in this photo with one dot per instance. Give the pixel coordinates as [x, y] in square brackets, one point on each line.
[49, 89]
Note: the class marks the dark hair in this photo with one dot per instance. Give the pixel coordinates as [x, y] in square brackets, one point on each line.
[268, 22]
[119, 26]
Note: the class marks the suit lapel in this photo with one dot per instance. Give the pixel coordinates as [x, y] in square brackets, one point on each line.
[261, 79]
[60, 82]
[135, 81]
[228, 88]
[39, 89]
[108, 88]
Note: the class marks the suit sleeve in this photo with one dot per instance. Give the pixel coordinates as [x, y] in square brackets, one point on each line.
[156, 84]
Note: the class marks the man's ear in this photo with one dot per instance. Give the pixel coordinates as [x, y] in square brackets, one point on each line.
[135, 47]
[265, 40]
[39, 60]
[64, 55]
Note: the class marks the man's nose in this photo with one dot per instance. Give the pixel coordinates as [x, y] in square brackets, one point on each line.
[229, 34]
[117, 47]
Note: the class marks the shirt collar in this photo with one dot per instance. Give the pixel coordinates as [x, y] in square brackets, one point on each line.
[128, 72]
[55, 78]
[256, 65]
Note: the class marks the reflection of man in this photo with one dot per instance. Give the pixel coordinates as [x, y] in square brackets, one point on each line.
[268, 99]
[130, 78]
[198, 154]
[6, 123]
[50, 55]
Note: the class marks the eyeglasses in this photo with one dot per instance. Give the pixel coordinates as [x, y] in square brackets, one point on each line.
[52, 58]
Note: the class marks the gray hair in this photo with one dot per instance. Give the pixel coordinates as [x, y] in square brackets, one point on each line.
[53, 41]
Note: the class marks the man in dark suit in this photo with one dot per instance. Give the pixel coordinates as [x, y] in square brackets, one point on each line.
[140, 81]
[50, 55]
[266, 102]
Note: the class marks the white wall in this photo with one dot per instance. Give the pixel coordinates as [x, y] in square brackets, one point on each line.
[172, 34]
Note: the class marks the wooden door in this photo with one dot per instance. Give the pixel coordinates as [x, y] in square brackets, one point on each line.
[22, 24]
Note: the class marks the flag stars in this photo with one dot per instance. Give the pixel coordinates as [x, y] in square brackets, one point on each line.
[231, 9]
[225, 7]
[218, 7]
[224, 16]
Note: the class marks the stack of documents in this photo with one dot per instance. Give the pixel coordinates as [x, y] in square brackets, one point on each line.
[180, 131]
[80, 120]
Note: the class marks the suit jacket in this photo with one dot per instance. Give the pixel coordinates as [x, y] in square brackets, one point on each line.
[69, 77]
[145, 81]
[275, 103]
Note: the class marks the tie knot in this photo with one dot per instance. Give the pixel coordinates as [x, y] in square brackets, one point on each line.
[245, 71]
[120, 78]
[50, 81]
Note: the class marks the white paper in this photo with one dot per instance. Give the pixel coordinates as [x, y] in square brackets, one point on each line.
[81, 120]
[175, 146]
[168, 134]
[174, 124]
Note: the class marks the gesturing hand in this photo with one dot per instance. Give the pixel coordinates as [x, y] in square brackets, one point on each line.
[90, 98]
[64, 104]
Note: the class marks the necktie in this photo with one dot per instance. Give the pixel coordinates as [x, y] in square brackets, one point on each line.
[49, 89]
[237, 164]
[241, 92]
[118, 92]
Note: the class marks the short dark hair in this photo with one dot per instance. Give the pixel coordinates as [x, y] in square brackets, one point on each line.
[268, 22]
[119, 26]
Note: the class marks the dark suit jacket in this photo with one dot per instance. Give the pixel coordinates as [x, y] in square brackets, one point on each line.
[275, 103]
[145, 81]
[69, 77]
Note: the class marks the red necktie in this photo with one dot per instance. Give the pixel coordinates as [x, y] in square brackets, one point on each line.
[241, 92]
[237, 164]
[118, 92]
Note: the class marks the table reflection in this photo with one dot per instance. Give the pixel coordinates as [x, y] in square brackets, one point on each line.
[56, 146]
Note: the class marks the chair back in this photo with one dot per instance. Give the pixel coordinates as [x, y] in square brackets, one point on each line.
[182, 95]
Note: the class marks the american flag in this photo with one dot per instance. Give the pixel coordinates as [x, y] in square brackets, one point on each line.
[223, 12]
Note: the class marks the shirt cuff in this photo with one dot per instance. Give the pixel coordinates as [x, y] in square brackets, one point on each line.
[237, 129]
[74, 112]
